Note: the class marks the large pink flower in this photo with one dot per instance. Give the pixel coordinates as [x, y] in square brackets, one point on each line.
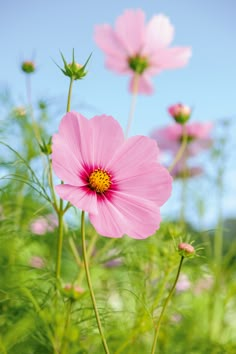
[118, 182]
[135, 47]
[169, 138]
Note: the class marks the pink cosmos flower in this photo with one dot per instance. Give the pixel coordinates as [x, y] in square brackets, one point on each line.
[182, 170]
[170, 138]
[118, 182]
[37, 262]
[44, 224]
[134, 47]
[183, 283]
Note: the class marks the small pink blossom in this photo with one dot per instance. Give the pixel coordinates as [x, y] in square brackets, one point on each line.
[134, 47]
[117, 181]
[183, 283]
[44, 224]
[37, 262]
[169, 138]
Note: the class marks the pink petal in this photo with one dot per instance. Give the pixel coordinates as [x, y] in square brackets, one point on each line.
[144, 86]
[107, 135]
[172, 58]
[153, 183]
[109, 221]
[107, 40]
[82, 198]
[132, 216]
[199, 130]
[130, 28]
[66, 164]
[159, 34]
[75, 131]
[120, 65]
[132, 155]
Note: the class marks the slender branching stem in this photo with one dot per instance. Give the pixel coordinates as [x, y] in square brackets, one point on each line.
[60, 211]
[157, 327]
[87, 272]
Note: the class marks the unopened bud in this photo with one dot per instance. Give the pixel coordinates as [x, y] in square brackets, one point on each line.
[186, 250]
[28, 67]
[74, 70]
[46, 148]
[180, 113]
[19, 112]
[73, 292]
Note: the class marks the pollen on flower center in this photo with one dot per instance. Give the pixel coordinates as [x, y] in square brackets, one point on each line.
[138, 64]
[99, 180]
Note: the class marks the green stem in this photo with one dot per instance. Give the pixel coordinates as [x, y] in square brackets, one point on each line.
[67, 322]
[165, 306]
[133, 104]
[61, 212]
[183, 196]
[51, 186]
[69, 95]
[181, 149]
[60, 240]
[86, 267]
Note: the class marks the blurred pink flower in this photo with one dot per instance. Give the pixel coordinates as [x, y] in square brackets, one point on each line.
[203, 284]
[118, 182]
[169, 138]
[36, 262]
[183, 283]
[44, 224]
[135, 47]
[181, 170]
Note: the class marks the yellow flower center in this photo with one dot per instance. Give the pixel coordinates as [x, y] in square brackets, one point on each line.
[99, 180]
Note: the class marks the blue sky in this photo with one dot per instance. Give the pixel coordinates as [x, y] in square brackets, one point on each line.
[39, 29]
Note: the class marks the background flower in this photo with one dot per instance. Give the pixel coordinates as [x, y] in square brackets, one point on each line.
[44, 224]
[118, 182]
[169, 138]
[134, 47]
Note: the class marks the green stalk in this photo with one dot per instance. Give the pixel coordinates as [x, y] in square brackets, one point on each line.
[86, 267]
[69, 95]
[67, 322]
[60, 212]
[181, 149]
[165, 306]
[60, 240]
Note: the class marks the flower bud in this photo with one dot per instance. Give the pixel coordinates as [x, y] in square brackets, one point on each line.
[73, 292]
[180, 113]
[28, 67]
[186, 250]
[74, 70]
[19, 112]
[46, 148]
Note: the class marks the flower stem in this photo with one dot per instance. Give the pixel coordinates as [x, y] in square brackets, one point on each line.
[60, 211]
[86, 267]
[69, 95]
[165, 306]
[133, 104]
[60, 240]
[181, 149]
[67, 322]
